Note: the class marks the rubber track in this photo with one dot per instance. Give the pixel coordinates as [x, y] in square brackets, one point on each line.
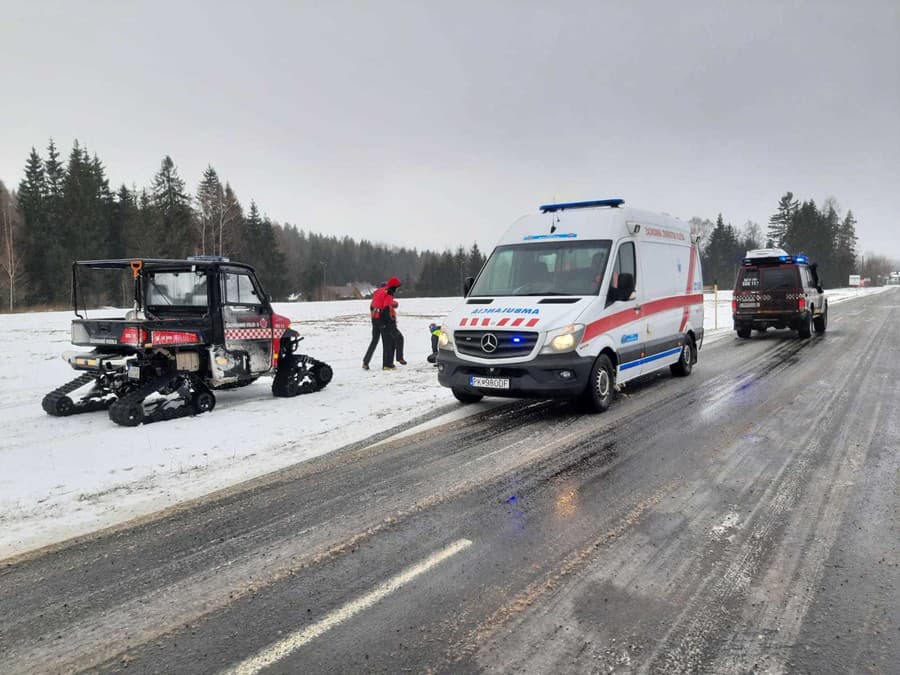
[119, 411]
[51, 401]
[282, 378]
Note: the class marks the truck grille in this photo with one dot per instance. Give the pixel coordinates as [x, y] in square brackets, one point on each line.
[493, 344]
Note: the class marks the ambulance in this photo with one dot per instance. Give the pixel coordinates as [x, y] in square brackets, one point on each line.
[575, 301]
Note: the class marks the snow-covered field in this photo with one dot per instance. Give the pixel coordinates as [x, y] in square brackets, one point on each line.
[64, 477]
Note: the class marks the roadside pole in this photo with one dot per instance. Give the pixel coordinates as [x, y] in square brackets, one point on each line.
[716, 303]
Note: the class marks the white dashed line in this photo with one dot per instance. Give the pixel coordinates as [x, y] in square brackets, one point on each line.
[286, 646]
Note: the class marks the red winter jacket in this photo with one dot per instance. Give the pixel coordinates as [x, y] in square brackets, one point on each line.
[377, 303]
[384, 300]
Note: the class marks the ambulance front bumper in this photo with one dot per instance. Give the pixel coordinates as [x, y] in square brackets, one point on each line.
[544, 376]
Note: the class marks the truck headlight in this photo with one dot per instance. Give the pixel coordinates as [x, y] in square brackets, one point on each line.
[563, 339]
[445, 341]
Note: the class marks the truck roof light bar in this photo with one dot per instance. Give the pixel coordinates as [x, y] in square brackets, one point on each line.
[774, 260]
[553, 208]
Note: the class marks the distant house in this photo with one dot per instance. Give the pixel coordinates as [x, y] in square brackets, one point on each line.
[353, 291]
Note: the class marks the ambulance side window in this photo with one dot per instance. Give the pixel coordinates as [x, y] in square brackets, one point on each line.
[624, 264]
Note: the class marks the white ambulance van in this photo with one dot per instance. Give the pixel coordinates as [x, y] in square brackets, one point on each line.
[573, 301]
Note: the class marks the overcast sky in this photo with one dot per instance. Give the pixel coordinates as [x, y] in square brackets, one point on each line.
[432, 124]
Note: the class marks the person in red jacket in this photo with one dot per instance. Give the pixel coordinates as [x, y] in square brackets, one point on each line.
[375, 314]
[391, 338]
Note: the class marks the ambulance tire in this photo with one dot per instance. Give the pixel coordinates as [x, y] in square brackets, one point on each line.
[743, 332]
[804, 330]
[602, 385]
[685, 363]
[466, 397]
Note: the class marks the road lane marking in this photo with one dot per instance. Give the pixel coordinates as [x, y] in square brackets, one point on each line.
[286, 646]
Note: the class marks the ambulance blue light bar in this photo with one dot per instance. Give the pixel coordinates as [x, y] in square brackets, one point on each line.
[553, 208]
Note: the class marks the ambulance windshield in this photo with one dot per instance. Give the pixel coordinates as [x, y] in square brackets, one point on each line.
[545, 268]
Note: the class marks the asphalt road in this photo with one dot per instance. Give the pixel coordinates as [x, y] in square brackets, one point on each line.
[742, 519]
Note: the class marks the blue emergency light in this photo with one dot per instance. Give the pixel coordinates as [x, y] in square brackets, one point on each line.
[795, 259]
[553, 208]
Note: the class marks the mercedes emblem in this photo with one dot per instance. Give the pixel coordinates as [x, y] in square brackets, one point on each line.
[489, 343]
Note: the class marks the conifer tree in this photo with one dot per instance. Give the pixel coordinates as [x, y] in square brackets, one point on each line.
[475, 261]
[173, 211]
[210, 203]
[722, 255]
[780, 222]
[32, 196]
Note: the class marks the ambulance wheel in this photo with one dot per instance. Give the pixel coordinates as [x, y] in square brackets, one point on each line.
[743, 332]
[821, 322]
[466, 397]
[685, 363]
[804, 330]
[601, 387]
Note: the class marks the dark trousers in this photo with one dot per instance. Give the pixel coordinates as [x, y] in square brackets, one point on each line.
[391, 342]
[376, 335]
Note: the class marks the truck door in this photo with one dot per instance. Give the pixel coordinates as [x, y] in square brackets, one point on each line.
[630, 334]
[247, 323]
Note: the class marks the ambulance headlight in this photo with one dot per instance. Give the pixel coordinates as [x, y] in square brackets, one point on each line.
[445, 341]
[563, 339]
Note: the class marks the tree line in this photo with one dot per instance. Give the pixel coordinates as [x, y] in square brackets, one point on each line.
[66, 210]
[797, 227]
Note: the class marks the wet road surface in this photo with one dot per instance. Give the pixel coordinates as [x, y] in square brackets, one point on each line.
[742, 519]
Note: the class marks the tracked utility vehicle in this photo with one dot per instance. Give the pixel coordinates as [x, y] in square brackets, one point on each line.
[196, 325]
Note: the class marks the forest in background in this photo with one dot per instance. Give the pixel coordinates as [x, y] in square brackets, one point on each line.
[66, 210]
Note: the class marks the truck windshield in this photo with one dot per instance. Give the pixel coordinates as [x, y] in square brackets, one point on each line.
[546, 268]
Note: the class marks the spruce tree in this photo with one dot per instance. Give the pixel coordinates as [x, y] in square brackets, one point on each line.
[845, 250]
[32, 197]
[780, 222]
[173, 210]
[475, 261]
[210, 203]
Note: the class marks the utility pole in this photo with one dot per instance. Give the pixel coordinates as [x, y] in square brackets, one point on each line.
[324, 278]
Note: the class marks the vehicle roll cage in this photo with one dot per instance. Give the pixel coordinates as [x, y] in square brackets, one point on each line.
[139, 265]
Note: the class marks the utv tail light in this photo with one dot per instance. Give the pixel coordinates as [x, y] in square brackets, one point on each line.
[801, 304]
[733, 306]
[173, 337]
[134, 336]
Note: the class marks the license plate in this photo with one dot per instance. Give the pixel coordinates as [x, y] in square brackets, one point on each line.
[749, 305]
[489, 382]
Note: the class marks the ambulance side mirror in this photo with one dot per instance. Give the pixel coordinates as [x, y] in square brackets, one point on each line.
[626, 286]
[467, 286]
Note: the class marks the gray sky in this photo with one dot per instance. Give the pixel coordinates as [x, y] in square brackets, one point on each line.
[438, 123]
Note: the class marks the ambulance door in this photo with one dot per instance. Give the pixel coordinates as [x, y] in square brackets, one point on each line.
[629, 333]
[665, 268]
